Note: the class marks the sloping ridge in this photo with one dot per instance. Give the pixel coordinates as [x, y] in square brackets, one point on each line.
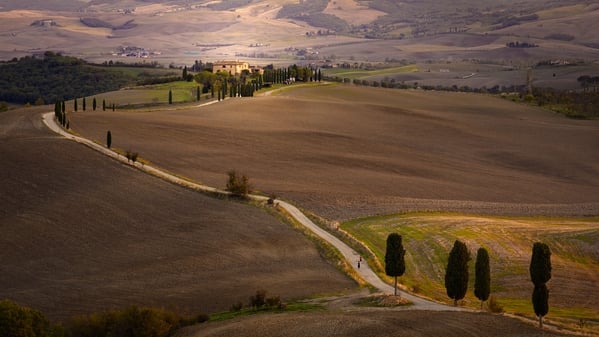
[348, 253]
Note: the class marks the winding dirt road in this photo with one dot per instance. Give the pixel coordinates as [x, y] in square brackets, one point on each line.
[348, 253]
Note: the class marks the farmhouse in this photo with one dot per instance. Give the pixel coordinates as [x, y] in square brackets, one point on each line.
[236, 67]
[232, 67]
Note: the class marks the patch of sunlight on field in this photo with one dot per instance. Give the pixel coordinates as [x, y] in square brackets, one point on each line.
[428, 238]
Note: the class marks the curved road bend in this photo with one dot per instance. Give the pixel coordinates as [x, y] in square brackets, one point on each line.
[349, 254]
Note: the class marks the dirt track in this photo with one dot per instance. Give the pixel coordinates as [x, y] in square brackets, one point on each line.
[347, 152]
[82, 233]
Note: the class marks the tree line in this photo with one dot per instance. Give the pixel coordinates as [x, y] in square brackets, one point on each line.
[457, 274]
[56, 77]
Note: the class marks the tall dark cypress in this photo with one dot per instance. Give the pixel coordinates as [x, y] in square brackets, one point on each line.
[456, 275]
[394, 257]
[540, 274]
[482, 282]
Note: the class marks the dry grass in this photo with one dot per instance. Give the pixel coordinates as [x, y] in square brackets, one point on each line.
[428, 237]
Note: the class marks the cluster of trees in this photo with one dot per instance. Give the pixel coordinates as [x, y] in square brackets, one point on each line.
[518, 44]
[21, 321]
[293, 72]
[238, 184]
[54, 77]
[457, 275]
[589, 83]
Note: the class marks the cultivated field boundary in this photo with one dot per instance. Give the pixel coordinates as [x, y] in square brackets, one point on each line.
[350, 255]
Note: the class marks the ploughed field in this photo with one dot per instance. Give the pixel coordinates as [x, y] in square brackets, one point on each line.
[345, 152]
[365, 323]
[83, 233]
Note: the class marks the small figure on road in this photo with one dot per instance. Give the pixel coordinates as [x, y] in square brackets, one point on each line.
[358, 264]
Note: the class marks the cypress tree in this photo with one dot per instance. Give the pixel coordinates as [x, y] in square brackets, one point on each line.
[108, 139]
[170, 97]
[540, 274]
[56, 111]
[94, 104]
[113, 107]
[456, 275]
[540, 301]
[75, 104]
[394, 257]
[103, 105]
[482, 282]
[63, 108]
[83, 104]
[540, 264]
[198, 93]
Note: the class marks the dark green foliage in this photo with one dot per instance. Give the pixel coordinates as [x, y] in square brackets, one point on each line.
[131, 322]
[456, 275]
[238, 185]
[63, 108]
[540, 274]
[75, 104]
[18, 321]
[94, 104]
[540, 264]
[540, 302]
[198, 93]
[259, 300]
[83, 104]
[131, 156]
[184, 74]
[482, 282]
[103, 105]
[170, 97]
[394, 257]
[55, 77]
[108, 139]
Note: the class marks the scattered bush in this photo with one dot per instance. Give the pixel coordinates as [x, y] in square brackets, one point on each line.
[131, 156]
[494, 305]
[238, 185]
[259, 300]
[133, 321]
[19, 321]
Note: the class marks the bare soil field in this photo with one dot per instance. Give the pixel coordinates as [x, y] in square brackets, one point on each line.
[346, 152]
[366, 323]
[83, 233]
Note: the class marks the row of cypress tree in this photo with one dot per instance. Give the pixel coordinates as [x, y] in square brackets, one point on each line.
[456, 275]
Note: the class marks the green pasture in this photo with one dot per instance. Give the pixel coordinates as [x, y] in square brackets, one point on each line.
[428, 238]
[157, 94]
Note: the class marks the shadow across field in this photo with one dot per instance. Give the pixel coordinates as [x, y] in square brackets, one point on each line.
[84, 233]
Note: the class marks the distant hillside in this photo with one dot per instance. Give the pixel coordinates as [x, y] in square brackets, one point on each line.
[56, 77]
[426, 17]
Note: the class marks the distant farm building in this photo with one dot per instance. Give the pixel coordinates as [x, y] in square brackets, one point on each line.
[235, 67]
[231, 67]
